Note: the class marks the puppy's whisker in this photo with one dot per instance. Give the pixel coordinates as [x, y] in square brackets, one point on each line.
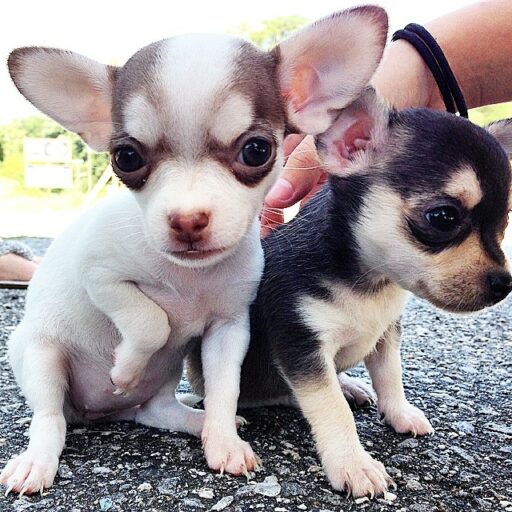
[313, 167]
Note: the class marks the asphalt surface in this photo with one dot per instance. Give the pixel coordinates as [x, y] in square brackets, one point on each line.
[457, 369]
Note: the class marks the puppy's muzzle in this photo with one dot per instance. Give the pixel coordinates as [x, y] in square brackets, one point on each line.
[500, 285]
[189, 228]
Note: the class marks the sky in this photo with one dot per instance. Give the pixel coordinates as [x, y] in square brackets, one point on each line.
[112, 30]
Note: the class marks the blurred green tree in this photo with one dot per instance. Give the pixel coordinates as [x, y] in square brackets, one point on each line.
[485, 115]
[11, 145]
[269, 32]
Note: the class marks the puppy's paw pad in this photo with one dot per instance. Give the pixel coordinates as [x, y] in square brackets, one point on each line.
[29, 473]
[408, 419]
[230, 454]
[358, 475]
[356, 391]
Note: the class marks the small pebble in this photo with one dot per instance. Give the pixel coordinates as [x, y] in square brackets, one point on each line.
[269, 487]
[100, 470]
[223, 503]
[410, 443]
[292, 489]
[65, 472]
[192, 503]
[413, 485]
[146, 486]
[389, 496]
[168, 486]
[206, 493]
[105, 504]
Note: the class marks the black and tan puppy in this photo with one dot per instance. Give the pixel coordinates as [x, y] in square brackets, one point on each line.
[417, 201]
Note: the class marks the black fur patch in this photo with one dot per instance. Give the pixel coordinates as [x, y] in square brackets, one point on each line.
[437, 145]
[319, 245]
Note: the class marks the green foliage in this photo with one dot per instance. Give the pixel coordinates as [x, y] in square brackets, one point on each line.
[489, 113]
[270, 32]
[34, 126]
[12, 167]
[99, 162]
[11, 146]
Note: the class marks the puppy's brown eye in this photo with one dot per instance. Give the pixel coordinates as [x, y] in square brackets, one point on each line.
[256, 152]
[443, 218]
[127, 159]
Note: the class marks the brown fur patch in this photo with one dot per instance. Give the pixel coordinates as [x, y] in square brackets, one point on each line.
[133, 78]
[458, 276]
[227, 155]
[255, 77]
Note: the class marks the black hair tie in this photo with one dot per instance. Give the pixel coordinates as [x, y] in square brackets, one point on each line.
[434, 58]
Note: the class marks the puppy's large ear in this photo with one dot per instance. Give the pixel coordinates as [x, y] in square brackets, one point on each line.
[359, 128]
[72, 89]
[502, 132]
[325, 66]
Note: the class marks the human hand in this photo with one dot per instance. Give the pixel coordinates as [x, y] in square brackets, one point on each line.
[300, 180]
[402, 79]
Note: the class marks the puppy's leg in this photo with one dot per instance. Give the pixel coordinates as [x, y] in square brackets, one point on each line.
[44, 384]
[223, 350]
[346, 463]
[356, 391]
[143, 325]
[165, 411]
[386, 374]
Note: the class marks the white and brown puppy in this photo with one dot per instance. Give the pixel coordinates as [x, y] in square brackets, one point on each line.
[417, 201]
[194, 125]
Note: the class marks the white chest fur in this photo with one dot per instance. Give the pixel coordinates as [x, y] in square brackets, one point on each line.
[350, 324]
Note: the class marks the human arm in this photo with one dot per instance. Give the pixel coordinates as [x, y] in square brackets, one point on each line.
[478, 45]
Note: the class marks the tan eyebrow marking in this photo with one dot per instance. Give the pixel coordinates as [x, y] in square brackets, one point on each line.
[464, 185]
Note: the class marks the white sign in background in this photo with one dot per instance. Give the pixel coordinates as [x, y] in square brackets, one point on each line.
[48, 163]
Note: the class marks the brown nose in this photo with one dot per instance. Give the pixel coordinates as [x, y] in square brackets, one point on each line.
[189, 227]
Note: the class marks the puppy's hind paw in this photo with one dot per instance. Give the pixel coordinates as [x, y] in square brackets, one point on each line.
[356, 391]
[29, 473]
[407, 419]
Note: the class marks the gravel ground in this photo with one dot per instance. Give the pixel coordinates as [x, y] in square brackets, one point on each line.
[457, 369]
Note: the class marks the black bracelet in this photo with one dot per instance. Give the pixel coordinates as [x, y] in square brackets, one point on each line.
[436, 61]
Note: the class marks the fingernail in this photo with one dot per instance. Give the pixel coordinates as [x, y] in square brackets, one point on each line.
[281, 191]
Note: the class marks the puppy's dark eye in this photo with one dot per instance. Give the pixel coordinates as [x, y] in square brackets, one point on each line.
[255, 153]
[127, 159]
[443, 218]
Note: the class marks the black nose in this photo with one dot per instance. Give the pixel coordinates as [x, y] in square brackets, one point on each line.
[500, 284]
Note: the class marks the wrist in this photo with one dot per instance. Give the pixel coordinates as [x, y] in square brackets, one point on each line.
[404, 80]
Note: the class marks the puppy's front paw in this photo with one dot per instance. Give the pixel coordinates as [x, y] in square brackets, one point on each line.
[126, 373]
[29, 472]
[229, 453]
[405, 418]
[358, 474]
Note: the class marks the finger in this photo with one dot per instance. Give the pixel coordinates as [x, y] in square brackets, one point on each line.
[291, 142]
[301, 173]
[318, 185]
